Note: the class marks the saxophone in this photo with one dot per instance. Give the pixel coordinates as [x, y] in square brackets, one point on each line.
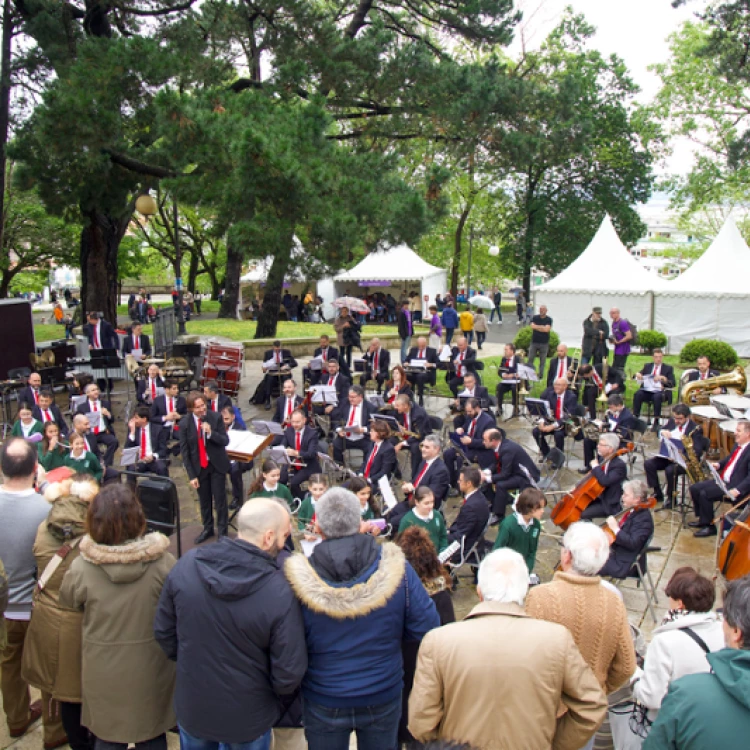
[694, 468]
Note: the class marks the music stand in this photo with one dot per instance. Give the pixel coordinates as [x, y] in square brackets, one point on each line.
[105, 359]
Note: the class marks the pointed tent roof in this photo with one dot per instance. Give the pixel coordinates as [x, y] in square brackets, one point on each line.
[604, 266]
[722, 270]
[399, 263]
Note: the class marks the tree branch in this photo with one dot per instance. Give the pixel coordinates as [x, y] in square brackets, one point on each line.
[358, 19]
[140, 167]
[158, 11]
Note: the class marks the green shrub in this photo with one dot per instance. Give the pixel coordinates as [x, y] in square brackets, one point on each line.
[722, 356]
[649, 340]
[523, 339]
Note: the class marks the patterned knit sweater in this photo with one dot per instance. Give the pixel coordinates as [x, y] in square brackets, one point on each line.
[597, 619]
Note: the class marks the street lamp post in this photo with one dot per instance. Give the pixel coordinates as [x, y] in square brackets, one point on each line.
[178, 280]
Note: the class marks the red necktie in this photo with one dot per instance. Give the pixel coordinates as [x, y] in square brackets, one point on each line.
[369, 461]
[202, 455]
[731, 462]
[375, 363]
[558, 408]
[47, 417]
[421, 354]
[96, 409]
[406, 421]
[96, 338]
[656, 371]
[298, 441]
[703, 375]
[278, 358]
[420, 475]
[86, 442]
[136, 346]
[625, 518]
[497, 461]
[331, 379]
[213, 404]
[324, 354]
[171, 405]
[472, 426]
[561, 369]
[143, 443]
[153, 390]
[36, 396]
[289, 408]
[351, 416]
[461, 367]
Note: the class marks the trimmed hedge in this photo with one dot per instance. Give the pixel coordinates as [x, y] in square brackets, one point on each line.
[722, 356]
[523, 339]
[649, 340]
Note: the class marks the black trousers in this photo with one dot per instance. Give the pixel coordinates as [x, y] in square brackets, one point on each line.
[541, 439]
[78, 736]
[503, 498]
[671, 471]
[619, 361]
[341, 444]
[379, 377]
[502, 389]
[298, 476]
[238, 468]
[454, 384]
[271, 380]
[704, 495]
[212, 492]
[419, 380]
[641, 396]
[157, 466]
[111, 445]
[595, 510]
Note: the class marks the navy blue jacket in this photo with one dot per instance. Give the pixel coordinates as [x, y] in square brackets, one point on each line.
[634, 532]
[512, 456]
[449, 318]
[437, 478]
[471, 520]
[227, 616]
[617, 473]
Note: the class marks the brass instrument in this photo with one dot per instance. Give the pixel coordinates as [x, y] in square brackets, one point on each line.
[602, 397]
[699, 391]
[696, 472]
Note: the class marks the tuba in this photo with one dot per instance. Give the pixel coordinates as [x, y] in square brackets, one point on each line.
[699, 391]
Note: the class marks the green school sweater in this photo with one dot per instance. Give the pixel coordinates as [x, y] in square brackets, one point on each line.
[88, 463]
[435, 527]
[305, 513]
[281, 491]
[523, 540]
[18, 432]
[53, 459]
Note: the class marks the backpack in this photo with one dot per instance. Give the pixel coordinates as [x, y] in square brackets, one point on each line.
[634, 331]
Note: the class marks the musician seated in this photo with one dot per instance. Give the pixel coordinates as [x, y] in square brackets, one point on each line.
[463, 362]
[593, 384]
[377, 363]
[169, 409]
[236, 468]
[561, 366]
[619, 420]
[471, 521]
[104, 434]
[397, 385]
[503, 465]
[420, 377]
[704, 372]
[26, 425]
[136, 343]
[146, 389]
[657, 379]
[48, 411]
[353, 418]
[411, 419]
[301, 443]
[470, 390]
[326, 352]
[379, 459]
[734, 470]
[151, 441]
[286, 403]
[678, 426]
[631, 532]
[30, 393]
[215, 401]
[336, 380]
[281, 363]
[468, 438]
[562, 403]
[431, 472]
[610, 471]
[508, 372]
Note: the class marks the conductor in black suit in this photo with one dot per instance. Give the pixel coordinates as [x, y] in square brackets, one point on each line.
[377, 364]
[151, 441]
[463, 362]
[663, 376]
[610, 471]
[562, 402]
[136, 340]
[203, 443]
[283, 364]
[301, 443]
[422, 353]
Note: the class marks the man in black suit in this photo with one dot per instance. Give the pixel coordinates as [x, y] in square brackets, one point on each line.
[619, 420]
[30, 394]
[167, 410]
[351, 422]
[610, 471]
[662, 378]
[301, 443]
[215, 401]
[418, 378]
[508, 372]
[704, 372]
[463, 362]
[136, 340]
[734, 470]
[503, 466]
[471, 389]
[48, 411]
[338, 381]
[560, 365]
[405, 326]
[562, 403]
[100, 333]
[377, 364]
[380, 459]
[468, 437]
[286, 404]
[326, 352]
[631, 532]
[472, 518]
[431, 471]
[104, 431]
[146, 390]
[203, 443]
[675, 430]
[236, 468]
[151, 441]
[411, 418]
[276, 373]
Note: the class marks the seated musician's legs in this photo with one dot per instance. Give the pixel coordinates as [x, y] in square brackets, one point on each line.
[704, 494]
[419, 381]
[268, 387]
[451, 458]
[560, 439]
[159, 466]
[300, 476]
[594, 510]
[338, 449]
[653, 466]
[380, 379]
[503, 498]
[589, 451]
[416, 458]
[541, 440]
[659, 399]
[111, 443]
[455, 384]
[639, 397]
[673, 472]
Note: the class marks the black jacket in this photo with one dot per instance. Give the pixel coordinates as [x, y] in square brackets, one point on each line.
[216, 445]
[384, 362]
[158, 437]
[484, 422]
[695, 374]
[308, 449]
[341, 385]
[469, 362]
[127, 344]
[85, 408]
[222, 400]
[632, 536]
[436, 478]
[480, 392]
[160, 408]
[418, 422]
[700, 442]
[340, 415]
[616, 474]
[471, 520]
[286, 357]
[552, 372]
[570, 402]
[142, 388]
[229, 604]
[624, 424]
[26, 396]
[430, 355]
[666, 370]
[56, 415]
[332, 353]
[280, 414]
[383, 464]
[740, 479]
[108, 339]
[511, 458]
[403, 324]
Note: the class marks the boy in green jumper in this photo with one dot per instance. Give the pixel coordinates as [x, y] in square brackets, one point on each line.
[520, 531]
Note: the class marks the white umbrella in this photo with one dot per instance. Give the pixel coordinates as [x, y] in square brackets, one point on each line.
[352, 303]
[480, 300]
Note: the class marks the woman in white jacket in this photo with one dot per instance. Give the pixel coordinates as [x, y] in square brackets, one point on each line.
[679, 645]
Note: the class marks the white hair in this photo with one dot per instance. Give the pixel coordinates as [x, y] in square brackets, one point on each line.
[637, 487]
[503, 577]
[588, 546]
[610, 439]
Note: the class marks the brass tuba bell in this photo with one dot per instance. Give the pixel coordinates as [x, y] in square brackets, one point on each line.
[698, 392]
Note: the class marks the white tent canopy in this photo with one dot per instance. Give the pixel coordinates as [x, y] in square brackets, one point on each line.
[604, 275]
[711, 299]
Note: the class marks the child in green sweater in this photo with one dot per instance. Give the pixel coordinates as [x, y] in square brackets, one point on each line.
[267, 483]
[363, 491]
[424, 515]
[520, 531]
[316, 487]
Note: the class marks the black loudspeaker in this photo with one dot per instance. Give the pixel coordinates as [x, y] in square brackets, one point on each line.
[16, 335]
[158, 497]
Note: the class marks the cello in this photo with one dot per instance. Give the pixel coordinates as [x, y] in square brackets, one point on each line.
[569, 508]
[733, 556]
[648, 504]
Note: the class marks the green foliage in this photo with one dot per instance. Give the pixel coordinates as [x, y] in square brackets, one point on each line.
[523, 339]
[722, 355]
[649, 340]
[29, 281]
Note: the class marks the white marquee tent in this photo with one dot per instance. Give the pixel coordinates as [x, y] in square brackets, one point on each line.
[711, 299]
[604, 275]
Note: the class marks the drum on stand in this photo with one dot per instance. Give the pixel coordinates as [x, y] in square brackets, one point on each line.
[709, 418]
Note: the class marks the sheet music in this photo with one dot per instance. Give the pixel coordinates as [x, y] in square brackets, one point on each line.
[445, 353]
[672, 451]
[270, 364]
[418, 364]
[719, 481]
[264, 427]
[651, 385]
[448, 552]
[278, 454]
[316, 363]
[376, 400]
[526, 373]
[241, 441]
[385, 490]
[95, 419]
[324, 394]
[529, 477]
[464, 393]
[129, 456]
[137, 353]
[76, 401]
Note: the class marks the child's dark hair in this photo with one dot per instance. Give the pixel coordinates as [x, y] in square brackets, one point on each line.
[530, 500]
[355, 484]
[257, 483]
[420, 494]
[318, 479]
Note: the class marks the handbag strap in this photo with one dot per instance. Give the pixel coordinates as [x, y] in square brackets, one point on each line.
[689, 631]
[56, 561]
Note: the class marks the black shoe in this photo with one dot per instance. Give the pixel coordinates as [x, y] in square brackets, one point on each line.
[655, 427]
[235, 504]
[696, 524]
[205, 534]
[707, 531]
[268, 406]
[584, 470]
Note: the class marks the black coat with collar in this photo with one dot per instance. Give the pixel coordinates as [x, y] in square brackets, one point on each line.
[222, 401]
[340, 415]
[127, 344]
[158, 437]
[484, 422]
[700, 442]
[286, 357]
[91, 441]
[437, 478]
[108, 338]
[26, 396]
[695, 375]
[471, 520]
[512, 457]
[740, 479]
[403, 324]
[308, 448]
[629, 542]
[624, 423]
[159, 409]
[480, 392]
[418, 422]
[85, 408]
[666, 371]
[216, 445]
[430, 354]
[142, 387]
[384, 361]
[383, 464]
[552, 372]
[570, 402]
[341, 385]
[280, 414]
[617, 473]
[57, 418]
[469, 362]
[332, 353]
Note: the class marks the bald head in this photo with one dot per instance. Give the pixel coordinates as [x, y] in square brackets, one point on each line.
[265, 523]
[18, 463]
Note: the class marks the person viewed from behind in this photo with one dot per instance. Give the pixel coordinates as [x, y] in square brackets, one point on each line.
[449, 319]
[52, 652]
[22, 509]
[458, 696]
[466, 324]
[233, 596]
[127, 681]
[541, 325]
[520, 531]
[354, 593]
[436, 329]
[712, 710]
[480, 326]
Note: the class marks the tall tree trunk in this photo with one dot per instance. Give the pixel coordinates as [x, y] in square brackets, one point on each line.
[5, 281]
[215, 286]
[192, 270]
[5, 84]
[269, 313]
[231, 283]
[528, 251]
[456, 267]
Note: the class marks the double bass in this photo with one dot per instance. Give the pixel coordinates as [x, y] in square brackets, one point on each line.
[733, 556]
[569, 508]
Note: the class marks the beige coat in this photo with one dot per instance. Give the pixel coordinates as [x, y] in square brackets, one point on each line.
[597, 619]
[496, 681]
[128, 682]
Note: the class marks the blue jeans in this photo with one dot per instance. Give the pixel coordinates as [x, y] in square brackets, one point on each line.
[329, 728]
[481, 336]
[449, 335]
[469, 336]
[405, 346]
[499, 314]
[188, 742]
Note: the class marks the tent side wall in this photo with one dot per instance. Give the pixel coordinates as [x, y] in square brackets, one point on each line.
[432, 286]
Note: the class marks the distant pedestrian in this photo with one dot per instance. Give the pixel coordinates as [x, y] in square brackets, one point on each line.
[405, 328]
[541, 325]
[449, 319]
[466, 324]
[480, 327]
[497, 300]
[436, 329]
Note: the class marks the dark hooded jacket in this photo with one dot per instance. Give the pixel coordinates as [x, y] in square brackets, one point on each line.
[230, 620]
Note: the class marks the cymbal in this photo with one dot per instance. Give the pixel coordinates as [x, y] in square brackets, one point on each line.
[154, 361]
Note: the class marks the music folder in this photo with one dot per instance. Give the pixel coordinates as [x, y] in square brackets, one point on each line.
[527, 373]
[244, 446]
[324, 394]
[316, 363]
[385, 490]
[538, 407]
[129, 456]
[376, 400]
[279, 455]
[418, 364]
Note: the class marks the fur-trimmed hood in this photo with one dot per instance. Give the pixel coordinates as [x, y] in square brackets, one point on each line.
[85, 490]
[127, 562]
[70, 503]
[369, 592]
